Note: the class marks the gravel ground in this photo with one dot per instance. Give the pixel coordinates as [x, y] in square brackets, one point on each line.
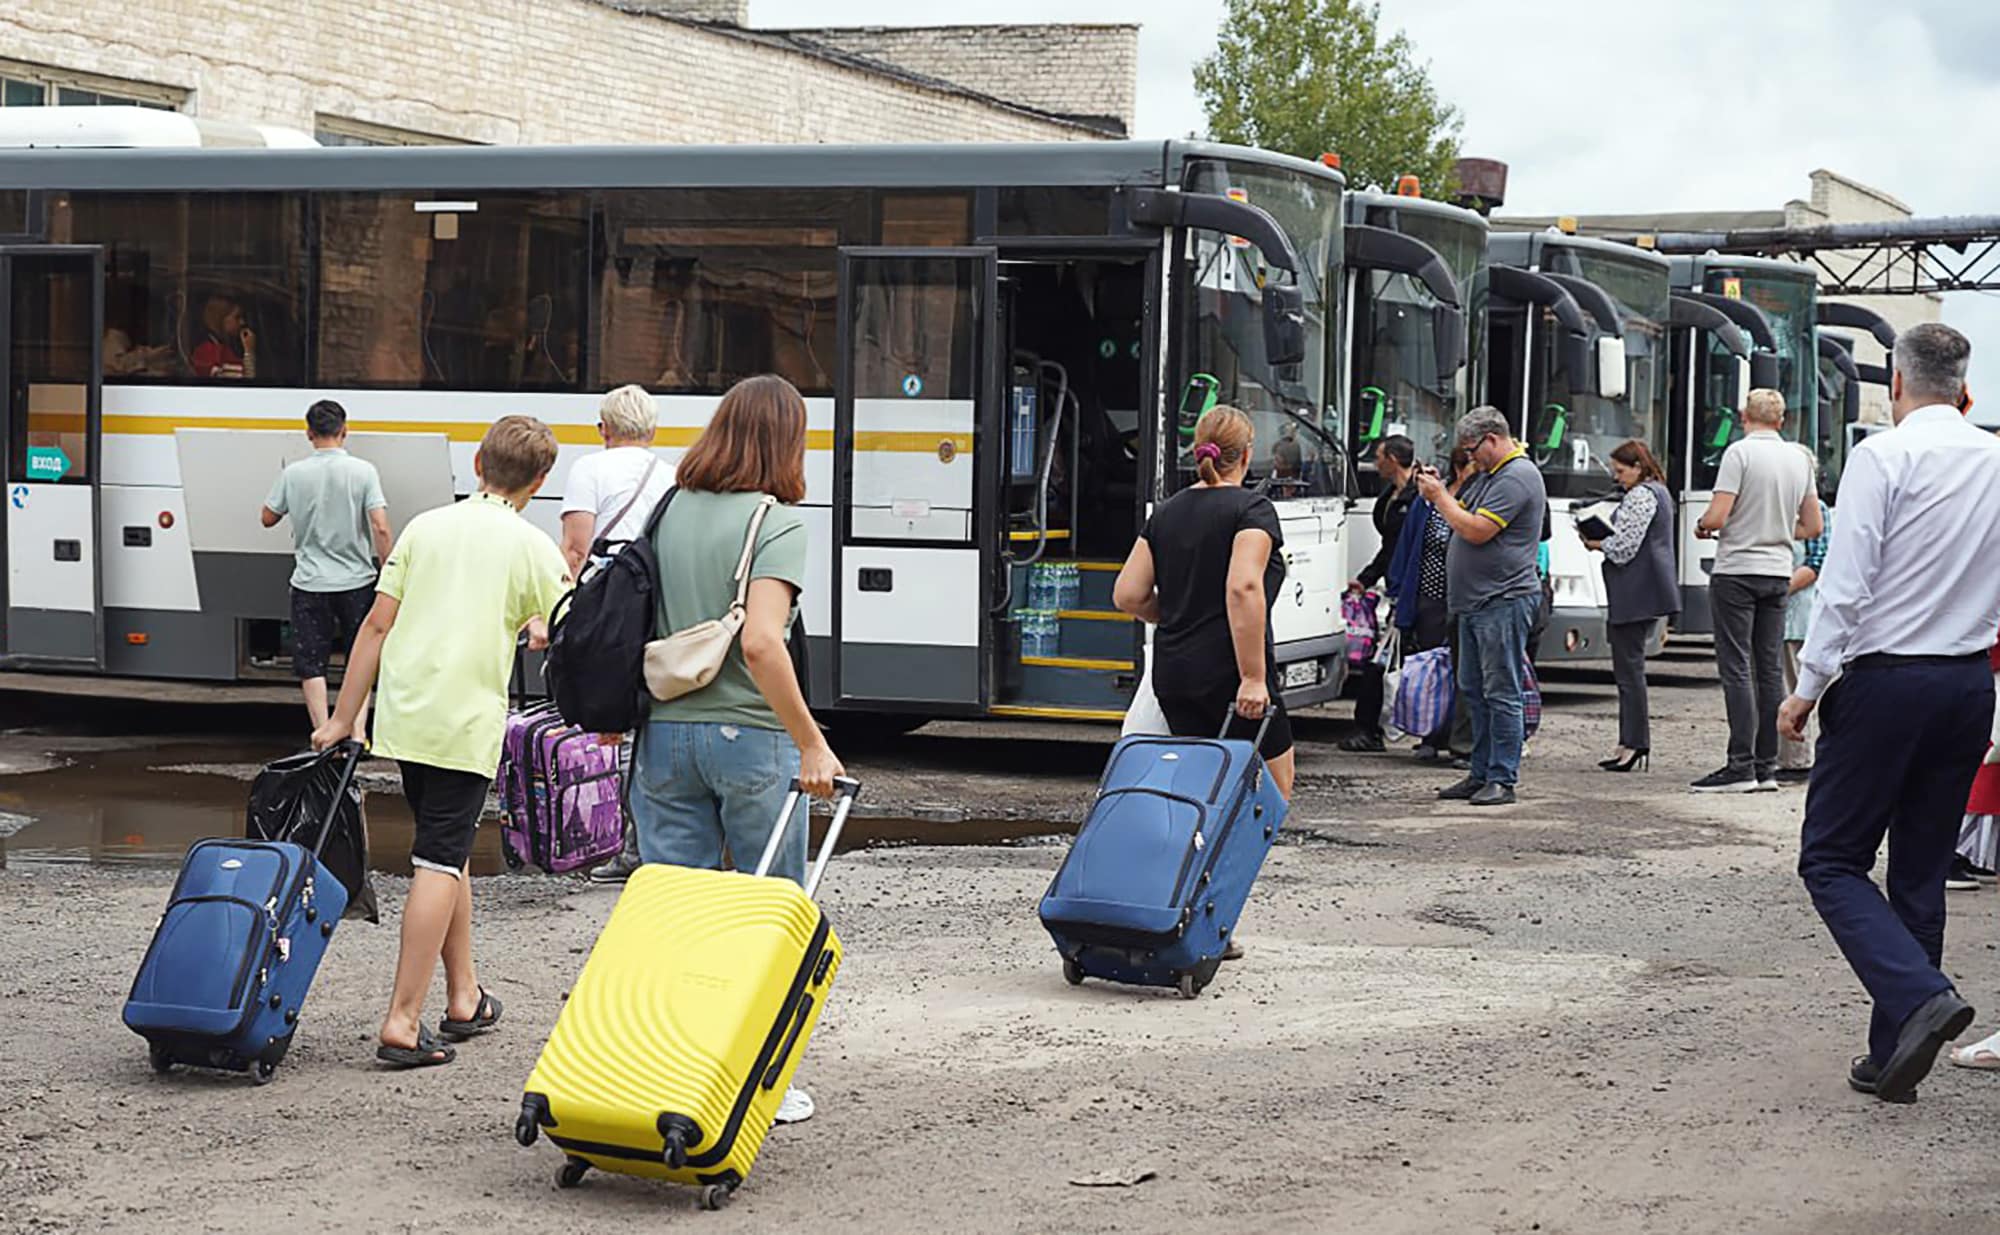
[1609, 1009]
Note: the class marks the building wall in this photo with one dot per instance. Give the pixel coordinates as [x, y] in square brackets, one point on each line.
[503, 71]
[1071, 70]
[1836, 199]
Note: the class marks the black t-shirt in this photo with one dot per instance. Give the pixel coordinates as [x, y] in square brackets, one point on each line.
[1192, 535]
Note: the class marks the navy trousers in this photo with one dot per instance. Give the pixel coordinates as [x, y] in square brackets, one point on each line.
[1899, 746]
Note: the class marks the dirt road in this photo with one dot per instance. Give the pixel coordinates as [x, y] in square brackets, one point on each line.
[1609, 1009]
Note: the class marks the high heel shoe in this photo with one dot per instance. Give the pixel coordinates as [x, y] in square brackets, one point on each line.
[1640, 760]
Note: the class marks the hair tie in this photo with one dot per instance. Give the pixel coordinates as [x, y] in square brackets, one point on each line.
[1209, 451]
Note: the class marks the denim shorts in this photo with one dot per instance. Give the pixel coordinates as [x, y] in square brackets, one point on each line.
[700, 789]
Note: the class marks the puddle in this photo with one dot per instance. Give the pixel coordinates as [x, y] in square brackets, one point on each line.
[123, 808]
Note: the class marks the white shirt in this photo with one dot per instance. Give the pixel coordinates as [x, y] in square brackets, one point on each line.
[1911, 569]
[1770, 478]
[603, 482]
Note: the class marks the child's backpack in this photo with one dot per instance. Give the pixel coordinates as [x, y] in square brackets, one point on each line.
[598, 635]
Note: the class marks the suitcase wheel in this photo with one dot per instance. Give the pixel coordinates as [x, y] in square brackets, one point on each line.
[715, 1196]
[572, 1173]
[525, 1130]
[1189, 987]
[1072, 972]
[162, 1062]
[261, 1072]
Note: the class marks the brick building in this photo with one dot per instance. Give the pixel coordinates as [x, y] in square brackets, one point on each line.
[568, 71]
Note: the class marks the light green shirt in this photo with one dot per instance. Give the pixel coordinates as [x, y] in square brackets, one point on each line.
[699, 542]
[468, 577]
[327, 495]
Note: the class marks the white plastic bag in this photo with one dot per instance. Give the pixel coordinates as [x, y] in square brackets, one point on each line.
[1143, 716]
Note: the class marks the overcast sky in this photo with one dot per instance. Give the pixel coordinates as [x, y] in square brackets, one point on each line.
[1615, 105]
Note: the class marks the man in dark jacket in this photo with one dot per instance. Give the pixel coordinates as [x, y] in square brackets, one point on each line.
[1395, 459]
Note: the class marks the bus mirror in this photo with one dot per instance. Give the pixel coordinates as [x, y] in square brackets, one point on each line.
[1284, 325]
[1448, 337]
[1743, 382]
[1764, 370]
[1610, 367]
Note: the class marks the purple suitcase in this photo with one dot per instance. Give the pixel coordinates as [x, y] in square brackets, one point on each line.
[561, 797]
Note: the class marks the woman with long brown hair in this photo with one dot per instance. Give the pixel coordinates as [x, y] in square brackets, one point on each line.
[713, 766]
[1205, 571]
[1641, 587]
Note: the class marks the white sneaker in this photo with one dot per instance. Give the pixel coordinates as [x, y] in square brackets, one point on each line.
[796, 1108]
[1766, 786]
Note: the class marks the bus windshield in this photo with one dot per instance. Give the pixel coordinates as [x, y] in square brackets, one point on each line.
[1397, 387]
[1222, 357]
[1789, 304]
[1574, 432]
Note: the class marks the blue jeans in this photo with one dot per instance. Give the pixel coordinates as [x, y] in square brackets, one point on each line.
[1492, 644]
[697, 787]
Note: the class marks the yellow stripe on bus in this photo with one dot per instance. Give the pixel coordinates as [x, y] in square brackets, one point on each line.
[1032, 712]
[675, 436]
[1079, 662]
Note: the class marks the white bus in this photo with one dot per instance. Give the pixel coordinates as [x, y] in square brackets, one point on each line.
[1001, 349]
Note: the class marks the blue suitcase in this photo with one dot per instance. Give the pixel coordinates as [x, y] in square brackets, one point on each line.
[1157, 878]
[225, 978]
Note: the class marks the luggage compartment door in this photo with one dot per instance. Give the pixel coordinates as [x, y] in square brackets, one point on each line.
[51, 322]
[916, 446]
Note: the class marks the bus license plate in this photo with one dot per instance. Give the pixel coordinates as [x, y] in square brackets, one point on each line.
[1305, 673]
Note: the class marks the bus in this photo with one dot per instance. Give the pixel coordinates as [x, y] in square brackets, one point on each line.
[1776, 304]
[1413, 271]
[1841, 379]
[1576, 357]
[1003, 348]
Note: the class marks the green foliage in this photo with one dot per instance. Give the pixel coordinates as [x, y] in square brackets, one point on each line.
[1309, 76]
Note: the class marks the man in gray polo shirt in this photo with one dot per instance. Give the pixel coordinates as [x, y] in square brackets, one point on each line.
[1495, 593]
[1763, 499]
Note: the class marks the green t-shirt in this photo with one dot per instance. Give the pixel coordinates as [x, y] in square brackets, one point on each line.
[327, 496]
[468, 577]
[699, 541]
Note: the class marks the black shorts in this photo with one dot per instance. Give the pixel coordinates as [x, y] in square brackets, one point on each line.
[1200, 716]
[324, 621]
[446, 804]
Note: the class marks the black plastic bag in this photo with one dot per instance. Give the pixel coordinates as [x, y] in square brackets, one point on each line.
[289, 801]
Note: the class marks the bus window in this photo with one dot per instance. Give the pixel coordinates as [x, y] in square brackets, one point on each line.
[912, 220]
[1068, 210]
[48, 353]
[701, 288]
[199, 287]
[464, 291]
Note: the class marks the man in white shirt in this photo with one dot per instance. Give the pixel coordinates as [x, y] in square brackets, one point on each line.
[608, 497]
[1896, 662]
[1763, 499]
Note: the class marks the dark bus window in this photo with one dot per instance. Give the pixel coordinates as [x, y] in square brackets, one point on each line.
[474, 291]
[198, 287]
[704, 287]
[926, 220]
[1055, 211]
[47, 399]
[13, 212]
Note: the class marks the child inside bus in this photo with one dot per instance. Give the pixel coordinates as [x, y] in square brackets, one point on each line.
[457, 590]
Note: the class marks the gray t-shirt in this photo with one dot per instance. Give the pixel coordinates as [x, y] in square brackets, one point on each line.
[1513, 496]
[327, 495]
[1770, 478]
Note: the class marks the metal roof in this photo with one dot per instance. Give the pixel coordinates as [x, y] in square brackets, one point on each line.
[452, 168]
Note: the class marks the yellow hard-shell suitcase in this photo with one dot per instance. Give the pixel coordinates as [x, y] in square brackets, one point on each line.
[684, 1029]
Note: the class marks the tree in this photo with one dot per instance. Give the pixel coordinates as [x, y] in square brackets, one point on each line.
[1305, 77]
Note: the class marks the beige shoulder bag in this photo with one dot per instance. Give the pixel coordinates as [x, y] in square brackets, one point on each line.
[688, 660]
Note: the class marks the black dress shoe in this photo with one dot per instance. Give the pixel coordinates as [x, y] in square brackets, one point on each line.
[1462, 791]
[1941, 1018]
[1863, 1075]
[1494, 794]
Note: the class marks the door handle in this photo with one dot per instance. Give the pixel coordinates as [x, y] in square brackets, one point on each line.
[69, 551]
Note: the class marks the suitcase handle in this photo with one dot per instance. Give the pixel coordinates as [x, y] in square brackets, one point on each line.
[1229, 718]
[354, 751]
[845, 790]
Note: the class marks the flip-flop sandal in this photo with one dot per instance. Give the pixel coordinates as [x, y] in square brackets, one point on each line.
[427, 1053]
[484, 1017]
[1983, 1055]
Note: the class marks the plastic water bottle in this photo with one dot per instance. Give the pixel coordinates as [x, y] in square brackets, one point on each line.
[1072, 587]
[1038, 587]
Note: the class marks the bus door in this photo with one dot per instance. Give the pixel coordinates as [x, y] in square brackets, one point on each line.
[915, 469]
[51, 322]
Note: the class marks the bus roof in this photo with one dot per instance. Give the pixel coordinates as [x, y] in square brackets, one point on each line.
[1525, 249]
[1135, 163]
[1688, 269]
[1360, 201]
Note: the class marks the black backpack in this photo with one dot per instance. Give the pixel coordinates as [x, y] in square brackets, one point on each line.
[598, 635]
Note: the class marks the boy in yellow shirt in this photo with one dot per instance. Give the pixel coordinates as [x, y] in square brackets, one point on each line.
[459, 587]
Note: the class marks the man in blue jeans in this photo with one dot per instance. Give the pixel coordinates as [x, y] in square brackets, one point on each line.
[1495, 592]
